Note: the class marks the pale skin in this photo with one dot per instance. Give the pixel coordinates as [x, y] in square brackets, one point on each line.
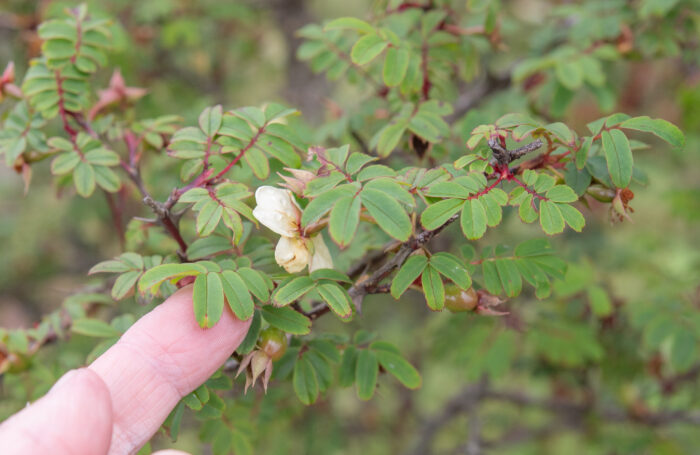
[116, 404]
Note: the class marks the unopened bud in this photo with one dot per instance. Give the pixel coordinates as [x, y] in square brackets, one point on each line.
[600, 193]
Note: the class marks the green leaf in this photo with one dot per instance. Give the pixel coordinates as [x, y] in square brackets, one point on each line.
[124, 284]
[551, 218]
[433, 288]
[304, 381]
[399, 367]
[491, 279]
[389, 137]
[237, 295]
[107, 179]
[367, 49]
[102, 157]
[210, 120]
[110, 266]
[393, 189]
[407, 274]
[257, 161]
[435, 215]
[346, 372]
[208, 246]
[578, 179]
[321, 204]
[344, 219]
[659, 127]
[618, 155]
[388, 214]
[473, 219]
[64, 163]
[253, 114]
[255, 283]
[562, 132]
[329, 274]
[366, 373]
[292, 290]
[684, 349]
[534, 247]
[569, 74]
[349, 23]
[582, 153]
[152, 279]
[572, 216]
[322, 368]
[450, 266]
[336, 297]
[94, 328]
[395, 66]
[84, 179]
[509, 276]
[356, 161]
[561, 193]
[492, 207]
[600, 302]
[251, 337]
[208, 299]
[287, 320]
[326, 348]
[208, 217]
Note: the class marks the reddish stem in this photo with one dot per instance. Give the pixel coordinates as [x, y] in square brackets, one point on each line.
[513, 178]
[425, 89]
[116, 218]
[62, 107]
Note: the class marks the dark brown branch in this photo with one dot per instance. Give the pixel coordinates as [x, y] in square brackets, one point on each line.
[360, 142]
[468, 398]
[669, 384]
[116, 218]
[170, 225]
[372, 285]
[565, 414]
[504, 157]
[476, 94]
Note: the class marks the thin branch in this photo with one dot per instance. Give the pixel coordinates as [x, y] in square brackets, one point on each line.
[116, 218]
[565, 414]
[524, 150]
[476, 94]
[360, 142]
[364, 287]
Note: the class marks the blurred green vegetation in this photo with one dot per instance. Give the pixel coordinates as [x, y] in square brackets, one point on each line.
[192, 54]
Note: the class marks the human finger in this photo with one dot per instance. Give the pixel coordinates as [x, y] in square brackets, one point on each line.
[75, 417]
[161, 358]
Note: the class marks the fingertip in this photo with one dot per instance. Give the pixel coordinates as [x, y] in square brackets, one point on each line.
[162, 357]
[74, 417]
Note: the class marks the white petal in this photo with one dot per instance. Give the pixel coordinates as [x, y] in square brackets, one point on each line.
[292, 254]
[277, 209]
[322, 257]
[280, 199]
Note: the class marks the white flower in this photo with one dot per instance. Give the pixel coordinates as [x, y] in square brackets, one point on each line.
[277, 209]
[292, 254]
[321, 259]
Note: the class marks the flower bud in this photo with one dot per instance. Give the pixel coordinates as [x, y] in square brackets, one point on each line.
[601, 193]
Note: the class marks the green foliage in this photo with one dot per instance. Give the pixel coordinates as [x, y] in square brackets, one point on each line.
[21, 133]
[418, 178]
[75, 40]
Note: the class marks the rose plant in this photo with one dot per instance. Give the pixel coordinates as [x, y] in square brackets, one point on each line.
[284, 224]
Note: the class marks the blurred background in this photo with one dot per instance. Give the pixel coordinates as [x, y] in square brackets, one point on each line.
[193, 54]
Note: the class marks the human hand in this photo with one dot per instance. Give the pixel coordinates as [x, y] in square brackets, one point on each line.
[117, 403]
